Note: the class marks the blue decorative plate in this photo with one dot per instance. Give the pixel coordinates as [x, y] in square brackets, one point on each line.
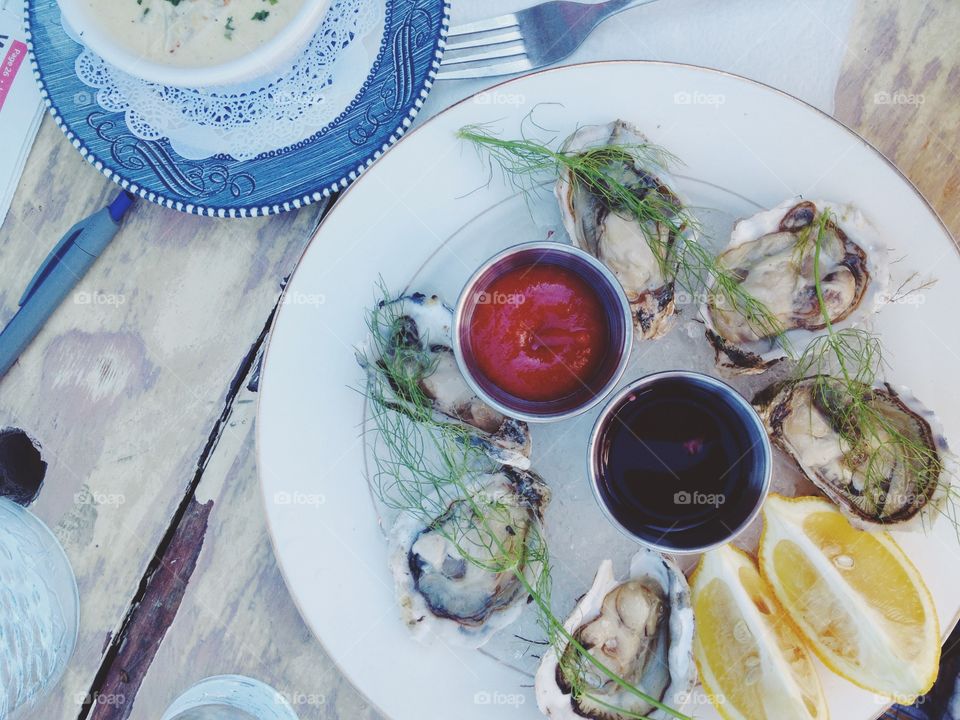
[390, 98]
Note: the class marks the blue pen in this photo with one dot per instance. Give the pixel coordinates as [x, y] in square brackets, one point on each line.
[59, 273]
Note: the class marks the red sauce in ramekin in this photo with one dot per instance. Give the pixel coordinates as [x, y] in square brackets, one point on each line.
[539, 332]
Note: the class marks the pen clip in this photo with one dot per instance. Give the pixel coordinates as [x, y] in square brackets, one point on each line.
[50, 262]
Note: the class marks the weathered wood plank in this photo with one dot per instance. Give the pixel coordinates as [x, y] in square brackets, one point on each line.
[899, 89]
[237, 616]
[125, 383]
[150, 617]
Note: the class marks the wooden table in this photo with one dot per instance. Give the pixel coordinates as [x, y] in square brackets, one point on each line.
[144, 398]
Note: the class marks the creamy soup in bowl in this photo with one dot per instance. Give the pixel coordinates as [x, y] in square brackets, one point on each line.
[195, 43]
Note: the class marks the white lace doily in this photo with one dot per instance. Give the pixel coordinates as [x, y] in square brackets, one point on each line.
[269, 114]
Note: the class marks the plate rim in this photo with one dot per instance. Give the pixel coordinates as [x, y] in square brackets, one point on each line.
[316, 195]
[946, 628]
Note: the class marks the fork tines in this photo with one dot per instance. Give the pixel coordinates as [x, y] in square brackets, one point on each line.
[485, 41]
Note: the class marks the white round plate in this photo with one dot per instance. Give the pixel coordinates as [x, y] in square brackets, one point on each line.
[744, 146]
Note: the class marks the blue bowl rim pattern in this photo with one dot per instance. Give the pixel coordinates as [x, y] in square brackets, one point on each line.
[325, 187]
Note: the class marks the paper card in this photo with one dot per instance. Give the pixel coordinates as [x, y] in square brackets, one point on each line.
[20, 106]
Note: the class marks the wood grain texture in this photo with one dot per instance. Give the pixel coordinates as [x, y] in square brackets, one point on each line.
[125, 383]
[899, 88]
[151, 616]
[237, 616]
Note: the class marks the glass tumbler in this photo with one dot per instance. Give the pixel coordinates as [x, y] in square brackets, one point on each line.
[230, 697]
[39, 611]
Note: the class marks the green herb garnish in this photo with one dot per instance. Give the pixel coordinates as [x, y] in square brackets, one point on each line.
[850, 357]
[426, 464]
[692, 265]
[847, 364]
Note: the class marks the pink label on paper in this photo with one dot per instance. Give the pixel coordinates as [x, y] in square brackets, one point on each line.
[9, 68]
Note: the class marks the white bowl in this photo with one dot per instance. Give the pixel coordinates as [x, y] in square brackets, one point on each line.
[271, 55]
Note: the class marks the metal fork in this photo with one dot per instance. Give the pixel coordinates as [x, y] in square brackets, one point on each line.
[524, 40]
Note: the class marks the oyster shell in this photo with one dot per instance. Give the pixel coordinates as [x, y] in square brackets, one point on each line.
[772, 255]
[415, 330]
[894, 486]
[614, 236]
[641, 628]
[440, 591]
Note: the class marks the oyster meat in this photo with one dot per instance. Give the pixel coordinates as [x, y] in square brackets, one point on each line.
[893, 472]
[413, 340]
[640, 628]
[772, 257]
[440, 590]
[615, 236]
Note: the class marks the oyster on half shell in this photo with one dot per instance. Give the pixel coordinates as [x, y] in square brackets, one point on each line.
[893, 473]
[640, 628]
[443, 591]
[615, 236]
[772, 257]
[413, 337]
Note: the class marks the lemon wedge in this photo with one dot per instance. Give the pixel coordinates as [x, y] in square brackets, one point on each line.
[752, 662]
[854, 595]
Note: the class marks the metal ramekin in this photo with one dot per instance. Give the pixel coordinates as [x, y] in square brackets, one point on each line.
[619, 319]
[754, 426]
